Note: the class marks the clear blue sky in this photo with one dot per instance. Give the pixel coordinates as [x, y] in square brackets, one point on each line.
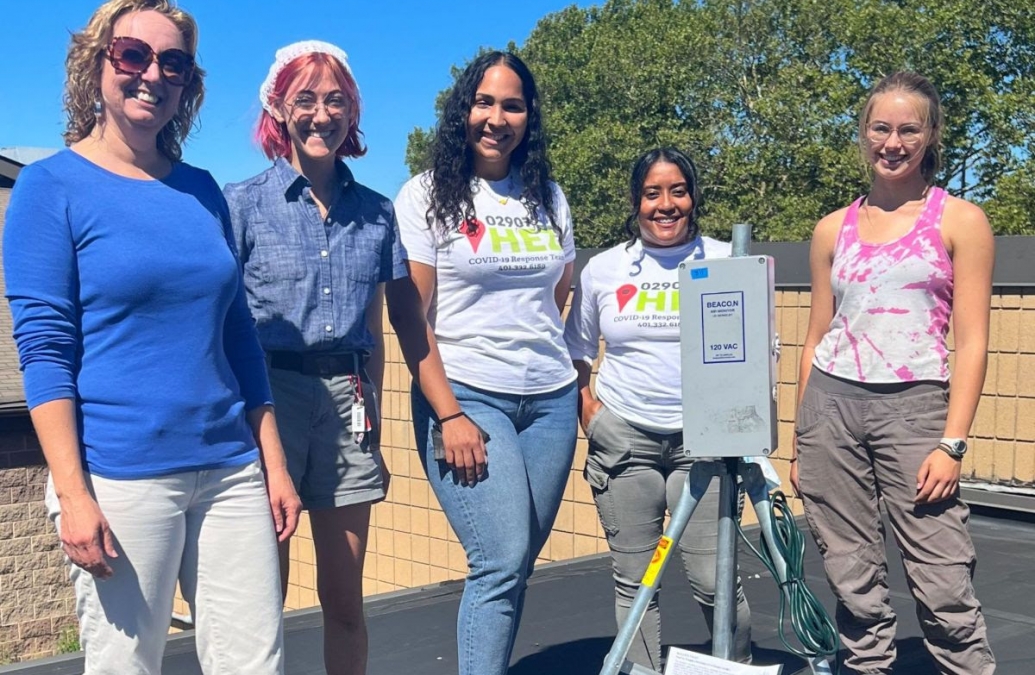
[399, 50]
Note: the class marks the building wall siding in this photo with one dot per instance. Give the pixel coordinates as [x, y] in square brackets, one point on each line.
[37, 604]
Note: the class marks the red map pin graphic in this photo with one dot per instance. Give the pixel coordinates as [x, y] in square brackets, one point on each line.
[625, 294]
[474, 230]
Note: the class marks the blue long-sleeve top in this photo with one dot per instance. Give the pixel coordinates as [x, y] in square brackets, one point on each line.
[127, 298]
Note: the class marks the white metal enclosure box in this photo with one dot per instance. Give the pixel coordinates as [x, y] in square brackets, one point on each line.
[727, 314]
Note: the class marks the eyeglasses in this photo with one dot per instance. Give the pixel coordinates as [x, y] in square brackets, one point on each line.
[878, 132]
[130, 56]
[334, 105]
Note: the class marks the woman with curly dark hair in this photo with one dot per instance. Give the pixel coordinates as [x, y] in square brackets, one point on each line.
[488, 239]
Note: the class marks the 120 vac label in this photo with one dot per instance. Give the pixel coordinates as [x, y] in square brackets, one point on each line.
[722, 327]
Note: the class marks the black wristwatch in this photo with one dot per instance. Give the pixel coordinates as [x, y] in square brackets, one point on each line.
[953, 447]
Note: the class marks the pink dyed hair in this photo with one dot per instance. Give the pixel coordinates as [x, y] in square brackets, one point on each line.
[273, 135]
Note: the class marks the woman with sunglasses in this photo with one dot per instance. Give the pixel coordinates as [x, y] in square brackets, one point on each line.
[489, 243]
[143, 372]
[317, 247]
[878, 413]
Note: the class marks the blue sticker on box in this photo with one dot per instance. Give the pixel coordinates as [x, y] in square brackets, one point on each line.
[699, 273]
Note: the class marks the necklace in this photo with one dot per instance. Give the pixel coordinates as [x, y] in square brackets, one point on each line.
[502, 199]
[324, 209]
[916, 210]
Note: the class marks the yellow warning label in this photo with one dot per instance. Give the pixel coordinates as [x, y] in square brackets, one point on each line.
[660, 553]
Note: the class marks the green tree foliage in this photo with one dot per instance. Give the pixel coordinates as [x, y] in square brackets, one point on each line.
[765, 95]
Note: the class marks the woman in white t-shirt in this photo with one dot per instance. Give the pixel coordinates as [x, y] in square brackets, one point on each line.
[489, 246]
[629, 295]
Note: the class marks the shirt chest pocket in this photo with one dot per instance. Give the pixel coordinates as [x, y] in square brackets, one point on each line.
[278, 258]
[364, 260]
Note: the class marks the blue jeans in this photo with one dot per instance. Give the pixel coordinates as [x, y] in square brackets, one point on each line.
[504, 520]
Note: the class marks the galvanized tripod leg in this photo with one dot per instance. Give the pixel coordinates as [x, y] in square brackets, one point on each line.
[697, 482]
[758, 492]
[725, 616]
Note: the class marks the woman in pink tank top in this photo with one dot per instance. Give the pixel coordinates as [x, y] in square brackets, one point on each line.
[878, 413]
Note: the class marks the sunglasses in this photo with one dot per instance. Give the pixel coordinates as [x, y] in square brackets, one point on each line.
[130, 56]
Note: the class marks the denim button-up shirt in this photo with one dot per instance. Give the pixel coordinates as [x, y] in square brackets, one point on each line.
[309, 280]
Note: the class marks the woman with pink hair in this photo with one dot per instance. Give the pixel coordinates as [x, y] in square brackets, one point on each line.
[316, 248]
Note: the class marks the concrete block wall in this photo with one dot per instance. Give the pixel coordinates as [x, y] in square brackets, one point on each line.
[37, 605]
[1003, 435]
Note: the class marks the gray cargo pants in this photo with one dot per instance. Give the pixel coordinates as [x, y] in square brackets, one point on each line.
[858, 444]
[636, 475]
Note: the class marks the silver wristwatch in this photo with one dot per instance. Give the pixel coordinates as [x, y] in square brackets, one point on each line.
[953, 447]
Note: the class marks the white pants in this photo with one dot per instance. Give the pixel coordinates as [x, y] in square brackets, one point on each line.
[212, 531]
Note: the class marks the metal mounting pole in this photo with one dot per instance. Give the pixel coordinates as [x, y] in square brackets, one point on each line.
[725, 616]
[741, 241]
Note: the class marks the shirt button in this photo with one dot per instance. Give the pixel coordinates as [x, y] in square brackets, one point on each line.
[328, 328]
[323, 254]
[326, 291]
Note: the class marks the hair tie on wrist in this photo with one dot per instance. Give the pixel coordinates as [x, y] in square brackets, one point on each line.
[452, 417]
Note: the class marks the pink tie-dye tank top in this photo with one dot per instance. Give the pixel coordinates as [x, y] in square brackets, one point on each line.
[892, 303]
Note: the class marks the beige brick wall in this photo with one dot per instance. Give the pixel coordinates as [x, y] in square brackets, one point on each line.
[1004, 430]
[412, 545]
[37, 604]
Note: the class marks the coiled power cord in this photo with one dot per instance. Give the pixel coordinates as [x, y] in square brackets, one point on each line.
[812, 625]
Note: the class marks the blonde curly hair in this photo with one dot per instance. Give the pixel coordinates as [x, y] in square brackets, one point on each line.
[86, 56]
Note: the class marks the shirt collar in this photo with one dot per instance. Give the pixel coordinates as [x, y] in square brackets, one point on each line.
[294, 183]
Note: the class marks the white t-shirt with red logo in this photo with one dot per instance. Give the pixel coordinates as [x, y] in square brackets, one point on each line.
[495, 317]
[630, 297]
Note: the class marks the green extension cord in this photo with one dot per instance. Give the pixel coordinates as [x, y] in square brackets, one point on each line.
[812, 625]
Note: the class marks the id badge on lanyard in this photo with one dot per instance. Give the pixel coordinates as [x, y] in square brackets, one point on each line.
[360, 422]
